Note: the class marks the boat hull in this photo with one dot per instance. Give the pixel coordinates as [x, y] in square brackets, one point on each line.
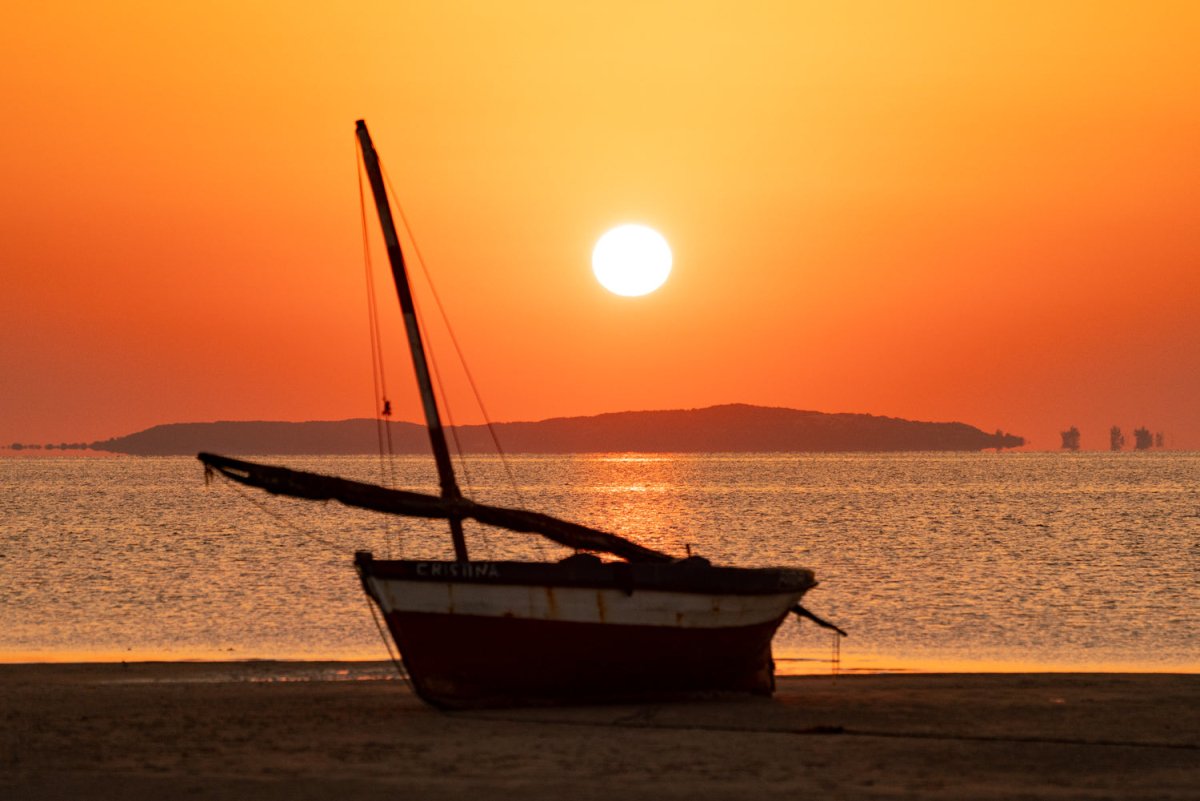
[509, 634]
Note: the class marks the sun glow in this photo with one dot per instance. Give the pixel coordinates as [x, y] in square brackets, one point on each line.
[631, 260]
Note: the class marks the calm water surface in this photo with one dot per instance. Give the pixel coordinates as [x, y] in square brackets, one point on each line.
[942, 561]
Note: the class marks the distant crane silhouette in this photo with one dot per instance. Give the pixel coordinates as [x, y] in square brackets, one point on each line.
[1070, 439]
[1142, 438]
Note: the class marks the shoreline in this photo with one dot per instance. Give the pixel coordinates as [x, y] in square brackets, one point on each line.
[270, 729]
[791, 664]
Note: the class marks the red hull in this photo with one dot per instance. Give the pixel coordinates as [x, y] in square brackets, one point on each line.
[464, 661]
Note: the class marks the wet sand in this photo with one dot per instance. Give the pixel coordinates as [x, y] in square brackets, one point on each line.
[267, 730]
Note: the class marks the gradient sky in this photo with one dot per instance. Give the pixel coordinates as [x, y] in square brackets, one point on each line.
[986, 212]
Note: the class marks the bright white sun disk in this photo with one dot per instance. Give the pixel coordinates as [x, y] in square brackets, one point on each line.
[631, 260]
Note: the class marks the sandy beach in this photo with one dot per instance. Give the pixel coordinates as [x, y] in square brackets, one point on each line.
[274, 730]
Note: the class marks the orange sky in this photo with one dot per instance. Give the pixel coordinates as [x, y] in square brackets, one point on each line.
[941, 211]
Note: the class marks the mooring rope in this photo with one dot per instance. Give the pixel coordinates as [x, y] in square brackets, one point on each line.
[387, 643]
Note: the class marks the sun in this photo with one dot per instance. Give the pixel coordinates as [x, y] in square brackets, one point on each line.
[631, 260]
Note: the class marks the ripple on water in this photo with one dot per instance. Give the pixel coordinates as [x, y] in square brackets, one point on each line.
[1059, 560]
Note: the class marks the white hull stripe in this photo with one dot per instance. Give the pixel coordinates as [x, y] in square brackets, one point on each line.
[581, 604]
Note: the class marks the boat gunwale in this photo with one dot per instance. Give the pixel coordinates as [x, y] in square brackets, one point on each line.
[687, 575]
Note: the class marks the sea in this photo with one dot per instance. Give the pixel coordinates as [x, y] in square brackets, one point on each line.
[930, 561]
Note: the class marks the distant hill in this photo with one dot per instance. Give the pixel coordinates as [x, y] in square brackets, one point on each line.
[731, 428]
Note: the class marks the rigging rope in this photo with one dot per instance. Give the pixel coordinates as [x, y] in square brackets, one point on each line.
[445, 404]
[383, 424]
[420, 260]
[453, 339]
[380, 402]
[394, 657]
[378, 374]
[278, 518]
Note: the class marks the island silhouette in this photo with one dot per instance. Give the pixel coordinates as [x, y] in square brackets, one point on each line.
[731, 428]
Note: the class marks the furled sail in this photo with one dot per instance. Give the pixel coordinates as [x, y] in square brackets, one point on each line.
[314, 486]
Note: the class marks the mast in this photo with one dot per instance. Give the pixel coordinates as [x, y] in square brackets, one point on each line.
[433, 421]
